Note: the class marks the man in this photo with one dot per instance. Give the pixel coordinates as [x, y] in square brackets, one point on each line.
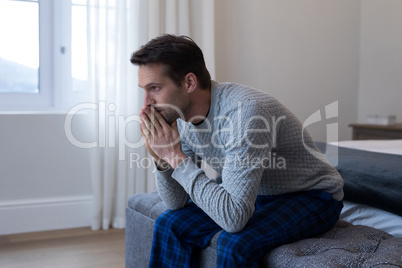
[270, 191]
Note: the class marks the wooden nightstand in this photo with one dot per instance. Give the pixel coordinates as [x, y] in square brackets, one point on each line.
[376, 132]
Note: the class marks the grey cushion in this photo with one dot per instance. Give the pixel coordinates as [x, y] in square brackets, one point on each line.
[148, 204]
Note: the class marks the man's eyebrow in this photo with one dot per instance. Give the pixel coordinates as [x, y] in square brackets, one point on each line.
[150, 84]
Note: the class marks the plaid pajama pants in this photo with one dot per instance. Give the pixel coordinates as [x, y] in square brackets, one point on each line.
[277, 220]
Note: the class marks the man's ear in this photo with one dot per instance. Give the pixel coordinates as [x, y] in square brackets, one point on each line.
[190, 82]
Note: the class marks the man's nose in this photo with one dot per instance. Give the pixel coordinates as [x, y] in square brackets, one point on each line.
[148, 100]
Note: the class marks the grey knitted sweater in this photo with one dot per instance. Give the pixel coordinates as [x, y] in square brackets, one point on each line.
[257, 146]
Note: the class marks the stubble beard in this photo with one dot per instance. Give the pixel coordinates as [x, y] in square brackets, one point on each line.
[172, 114]
[169, 115]
[179, 108]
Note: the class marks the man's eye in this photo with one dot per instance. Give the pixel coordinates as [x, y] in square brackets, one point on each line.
[155, 88]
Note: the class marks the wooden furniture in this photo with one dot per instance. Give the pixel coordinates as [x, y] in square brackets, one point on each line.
[376, 132]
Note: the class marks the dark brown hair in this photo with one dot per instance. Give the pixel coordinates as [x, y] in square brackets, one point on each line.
[180, 55]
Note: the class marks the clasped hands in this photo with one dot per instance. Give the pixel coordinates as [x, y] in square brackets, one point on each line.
[161, 139]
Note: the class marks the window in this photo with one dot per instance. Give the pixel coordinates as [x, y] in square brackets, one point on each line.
[19, 62]
[43, 54]
[79, 45]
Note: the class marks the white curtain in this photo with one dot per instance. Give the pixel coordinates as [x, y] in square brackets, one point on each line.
[116, 28]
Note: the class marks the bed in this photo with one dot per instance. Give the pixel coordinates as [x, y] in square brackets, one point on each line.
[369, 201]
[368, 234]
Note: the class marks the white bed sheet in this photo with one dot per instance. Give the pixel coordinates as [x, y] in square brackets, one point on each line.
[380, 146]
[360, 214]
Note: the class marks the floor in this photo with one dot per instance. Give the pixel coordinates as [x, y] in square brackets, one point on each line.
[73, 248]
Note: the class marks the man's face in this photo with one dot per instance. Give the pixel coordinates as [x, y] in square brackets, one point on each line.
[162, 93]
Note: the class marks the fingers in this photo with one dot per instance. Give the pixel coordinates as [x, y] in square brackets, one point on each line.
[144, 130]
[146, 135]
[150, 129]
[152, 123]
[159, 118]
[147, 128]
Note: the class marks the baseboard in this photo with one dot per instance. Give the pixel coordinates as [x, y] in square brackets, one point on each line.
[22, 216]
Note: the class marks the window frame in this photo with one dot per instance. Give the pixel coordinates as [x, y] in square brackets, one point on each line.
[55, 81]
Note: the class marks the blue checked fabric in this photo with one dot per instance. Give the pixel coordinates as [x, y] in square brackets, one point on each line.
[277, 220]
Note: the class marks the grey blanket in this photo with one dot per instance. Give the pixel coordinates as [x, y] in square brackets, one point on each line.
[345, 245]
[370, 178]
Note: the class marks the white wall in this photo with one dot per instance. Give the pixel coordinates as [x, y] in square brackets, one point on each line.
[380, 84]
[44, 180]
[304, 53]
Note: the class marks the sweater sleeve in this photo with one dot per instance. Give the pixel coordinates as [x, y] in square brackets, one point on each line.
[232, 203]
[170, 191]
